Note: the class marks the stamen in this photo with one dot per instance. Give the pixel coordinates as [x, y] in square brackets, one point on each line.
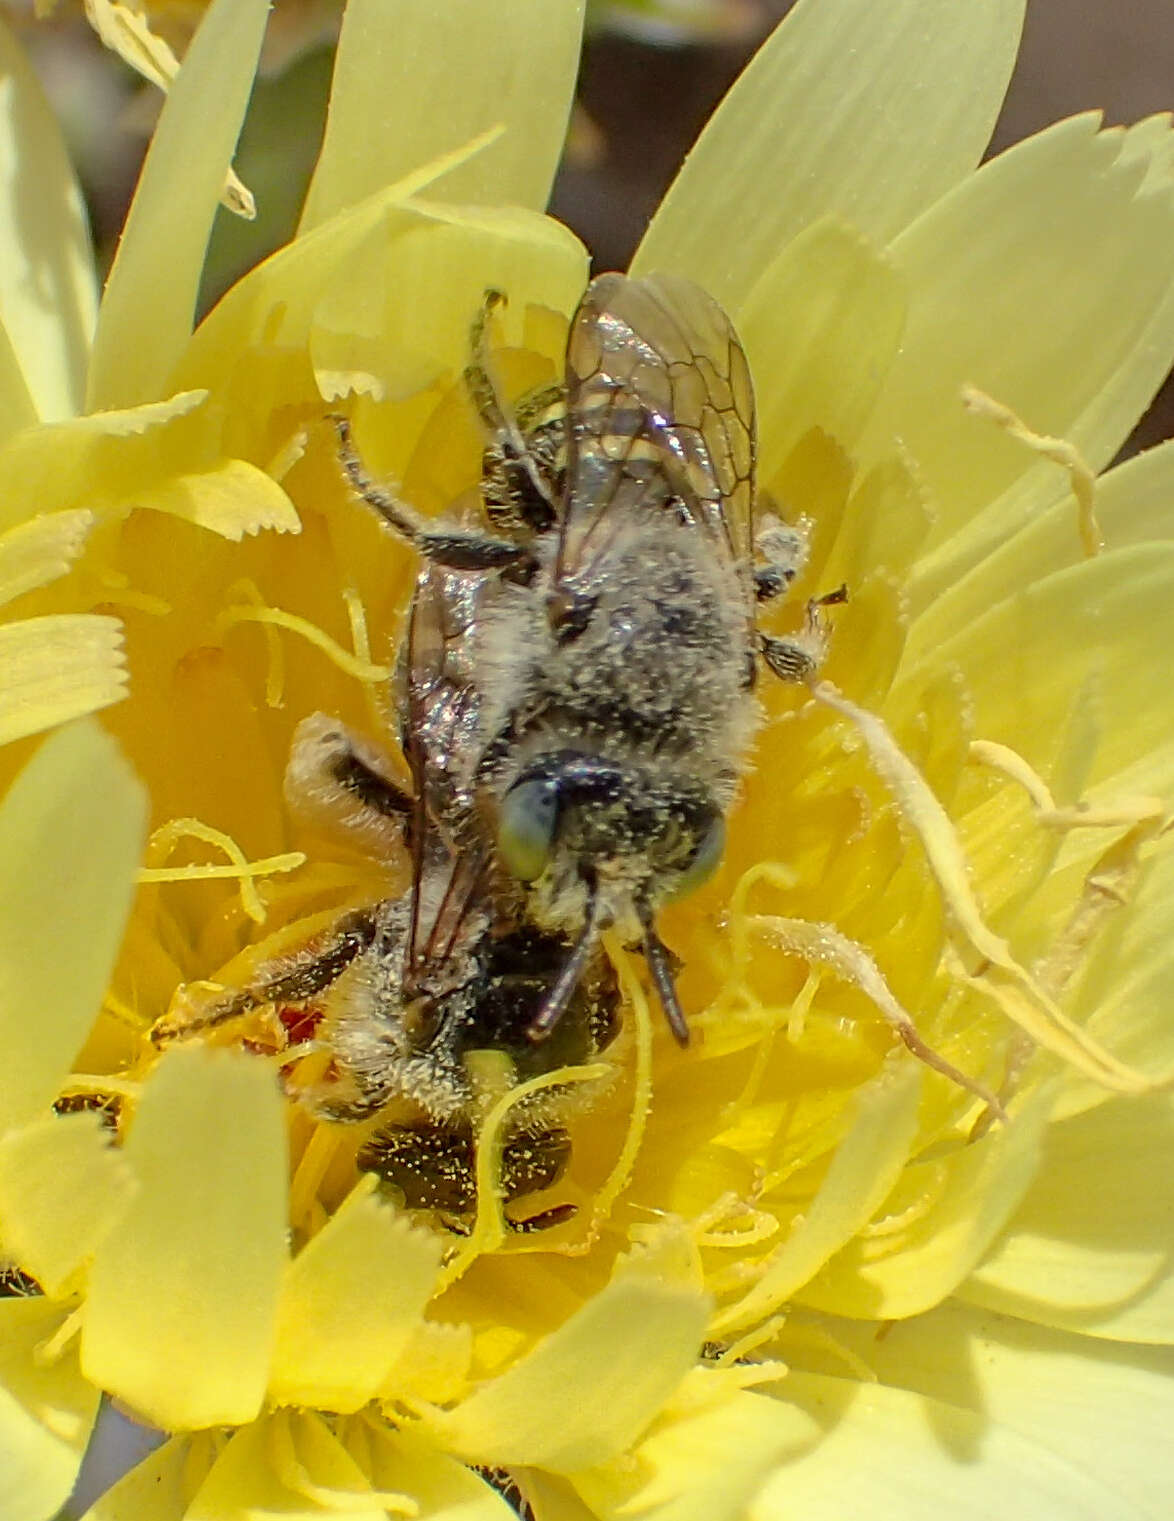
[167, 837]
[1000, 976]
[351, 665]
[823, 945]
[1058, 450]
[489, 1231]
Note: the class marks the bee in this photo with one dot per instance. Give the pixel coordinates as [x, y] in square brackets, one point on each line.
[614, 649]
[408, 993]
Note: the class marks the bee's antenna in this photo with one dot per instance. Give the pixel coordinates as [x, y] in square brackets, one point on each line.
[569, 978]
[657, 956]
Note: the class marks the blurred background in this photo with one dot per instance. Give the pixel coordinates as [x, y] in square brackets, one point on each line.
[652, 72]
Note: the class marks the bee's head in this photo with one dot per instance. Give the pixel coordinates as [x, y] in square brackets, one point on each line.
[614, 838]
[572, 810]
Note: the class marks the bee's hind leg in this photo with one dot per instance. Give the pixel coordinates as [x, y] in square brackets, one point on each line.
[337, 779]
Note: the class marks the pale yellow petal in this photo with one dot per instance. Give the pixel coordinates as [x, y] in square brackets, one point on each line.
[233, 499]
[161, 1487]
[937, 1224]
[1108, 1407]
[415, 80]
[146, 320]
[384, 294]
[48, 286]
[1125, 996]
[62, 1188]
[47, 1410]
[865, 1167]
[1012, 291]
[290, 1466]
[183, 1296]
[623, 1353]
[444, 1489]
[56, 668]
[71, 833]
[1089, 1247]
[126, 32]
[1132, 506]
[894, 1456]
[1097, 633]
[851, 109]
[93, 462]
[37, 552]
[349, 1301]
[17, 408]
[702, 1466]
[820, 327]
[365, 331]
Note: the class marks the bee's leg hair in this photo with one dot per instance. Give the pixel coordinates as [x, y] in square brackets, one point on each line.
[797, 657]
[291, 978]
[339, 779]
[518, 483]
[784, 553]
[456, 548]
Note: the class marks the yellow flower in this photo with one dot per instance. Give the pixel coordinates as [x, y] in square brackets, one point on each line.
[808, 1276]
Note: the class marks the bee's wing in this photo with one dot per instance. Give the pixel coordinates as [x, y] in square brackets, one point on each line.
[660, 407]
[439, 715]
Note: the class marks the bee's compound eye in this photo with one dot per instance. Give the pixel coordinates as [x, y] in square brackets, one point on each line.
[706, 859]
[529, 813]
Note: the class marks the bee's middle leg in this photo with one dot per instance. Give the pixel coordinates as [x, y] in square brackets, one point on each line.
[337, 778]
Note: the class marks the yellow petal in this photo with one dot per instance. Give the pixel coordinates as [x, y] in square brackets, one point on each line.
[146, 320]
[820, 327]
[865, 1167]
[182, 1299]
[232, 499]
[56, 668]
[350, 1299]
[127, 33]
[415, 80]
[447, 258]
[1089, 1247]
[893, 1456]
[292, 1467]
[62, 1188]
[443, 1489]
[1132, 504]
[92, 461]
[17, 409]
[703, 1466]
[37, 552]
[623, 1353]
[340, 290]
[955, 1206]
[1010, 293]
[852, 110]
[1123, 998]
[1110, 1407]
[48, 287]
[161, 1487]
[76, 788]
[1096, 632]
[46, 1412]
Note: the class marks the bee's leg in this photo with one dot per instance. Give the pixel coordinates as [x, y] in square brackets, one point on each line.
[518, 473]
[444, 544]
[336, 778]
[797, 657]
[784, 554]
[291, 978]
